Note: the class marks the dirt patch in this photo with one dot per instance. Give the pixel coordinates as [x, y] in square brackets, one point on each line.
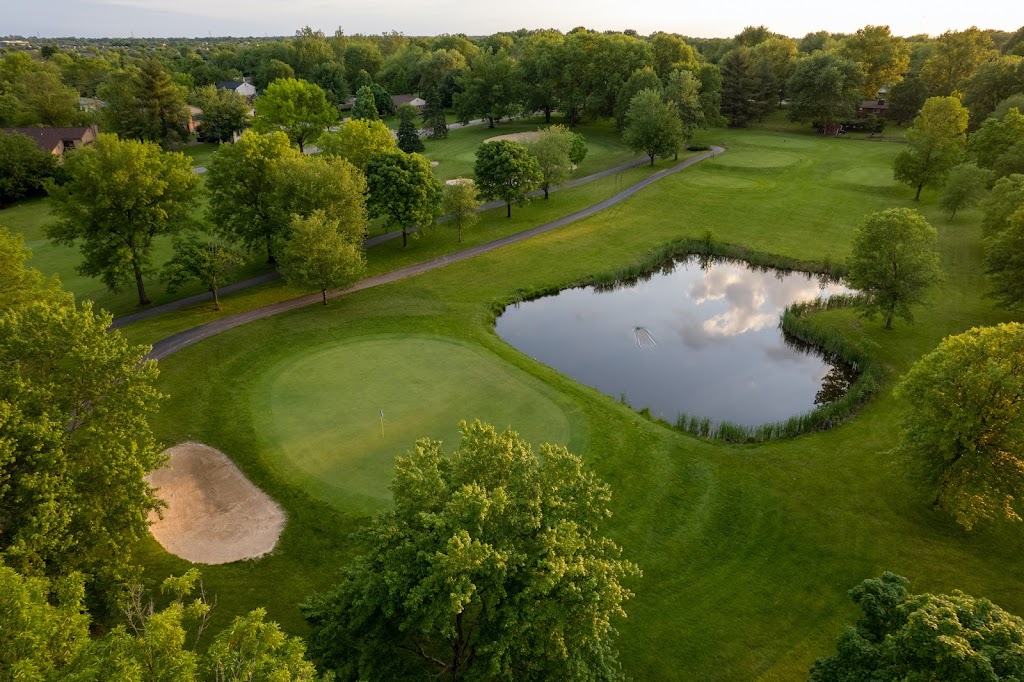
[529, 136]
[214, 514]
[458, 181]
[433, 164]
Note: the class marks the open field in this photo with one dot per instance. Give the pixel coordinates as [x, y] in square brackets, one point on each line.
[747, 551]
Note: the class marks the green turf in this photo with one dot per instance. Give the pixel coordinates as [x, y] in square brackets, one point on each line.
[200, 153]
[747, 551]
[322, 409]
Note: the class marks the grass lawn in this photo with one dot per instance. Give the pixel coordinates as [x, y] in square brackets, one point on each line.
[200, 153]
[747, 551]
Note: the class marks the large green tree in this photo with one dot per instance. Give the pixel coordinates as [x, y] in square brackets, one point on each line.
[1004, 262]
[20, 285]
[824, 89]
[738, 87]
[403, 189]
[640, 80]
[489, 566]
[225, 112]
[1005, 199]
[682, 89]
[75, 443]
[296, 107]
[903, 636]
[120, 195]
[999, 144]
[243, 182]
[992, 83]
[146, 104]
[205, 256]
[24, 167]
[906, 99]
[321, 254]
[894, 263]
[365, 106]
[460, 205]
[965, 188]
[652, 126]
[957, 56]
[408, 132]
[358, 140]
[541, 65]
[552, 148]
[507, 171]
[963, 424]
[32, 93]
[935, 144]
[883, 57]
[492, 88]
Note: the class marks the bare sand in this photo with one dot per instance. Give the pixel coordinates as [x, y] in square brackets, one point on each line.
[214, 514]
[458, 181]
[528, 136]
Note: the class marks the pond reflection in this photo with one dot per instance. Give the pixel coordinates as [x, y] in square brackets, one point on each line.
[697, 336]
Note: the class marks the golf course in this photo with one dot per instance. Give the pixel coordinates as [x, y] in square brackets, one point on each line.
[747, 551]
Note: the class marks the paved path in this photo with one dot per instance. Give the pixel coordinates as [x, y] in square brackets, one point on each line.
[173, 344]
[372, 241]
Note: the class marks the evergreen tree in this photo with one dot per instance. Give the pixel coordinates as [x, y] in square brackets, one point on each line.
[408, 135]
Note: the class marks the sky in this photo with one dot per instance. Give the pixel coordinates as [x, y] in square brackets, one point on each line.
[178, 18]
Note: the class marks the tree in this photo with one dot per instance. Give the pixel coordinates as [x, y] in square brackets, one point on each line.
[20, 285]
[906, 99]
[461, 203]
[243, 182]
[321, 255]
[225, 112]
[505, 170]
[1006, 197]
[32, 93]
[365, 106]
[297, 108]
[824, 89]
[408, 133]
[273, 70]
[358, 140]
[403, 189]
[958, 55]
[773, 65]
[24, 167]
[330, 76]
[119, 196]
[362, 56]
[207, 258]
[75, 443]
[552, 149]
[577, 149]
[883, 57]
[434, 118]
[963, 424]
[737, 87]
[642, 79]
[1004, 262]
[894, 263]
[992, 83]
[671, 53]
[146, 104]
[652, 127]
[935, 144]
[490, 565]
[999, 144]
[51, 641]
[541, 58]
[711, 94]
[965, 188]
[491, 88]
[924, 637]
[682, 89]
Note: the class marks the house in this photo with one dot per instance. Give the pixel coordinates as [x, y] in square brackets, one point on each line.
[872, 107]
[89, 104]
[415, 101]
[242, 87]
[195, 115]
[58, 141]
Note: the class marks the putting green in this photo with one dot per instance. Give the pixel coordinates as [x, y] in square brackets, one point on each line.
[320, 410]
[710, 180]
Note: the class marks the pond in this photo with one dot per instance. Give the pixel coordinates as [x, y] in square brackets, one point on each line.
[699, 337]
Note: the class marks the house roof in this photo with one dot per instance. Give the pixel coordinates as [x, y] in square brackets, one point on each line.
[229, 85]
[399, 100]
[874, 104]
[47, 139]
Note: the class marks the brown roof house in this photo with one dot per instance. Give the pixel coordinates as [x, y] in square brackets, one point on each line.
[872, 107]
[399, 100]
[58, 141]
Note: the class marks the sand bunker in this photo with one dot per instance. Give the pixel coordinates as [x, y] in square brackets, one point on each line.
[458, 181]
[214, 514]
[516, 137]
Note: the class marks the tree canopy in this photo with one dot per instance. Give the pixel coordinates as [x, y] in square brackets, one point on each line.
[321, 254]
[935, 144]
[490, 565]
[903, 636]
[492, 88]
[119, 196]
[460, 204]
[824, 89]
[505, 170]
[964, 424]
[358, 140]
[24, 167]
[652, 126]
[553, 150]
[298, 108]
[206, 256]
[403, 188]
[894, 263]
[1004, 262]
[146, 104]
[408, 132]
[225, 112]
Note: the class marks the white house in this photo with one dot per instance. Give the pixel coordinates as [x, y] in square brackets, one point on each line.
[242, 87]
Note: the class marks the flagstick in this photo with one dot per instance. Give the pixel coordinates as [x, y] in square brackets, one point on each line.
[382, 423]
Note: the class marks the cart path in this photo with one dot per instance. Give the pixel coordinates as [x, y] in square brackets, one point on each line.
[176, 342]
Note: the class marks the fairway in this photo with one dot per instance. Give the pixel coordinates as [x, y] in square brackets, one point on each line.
[322, 408]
